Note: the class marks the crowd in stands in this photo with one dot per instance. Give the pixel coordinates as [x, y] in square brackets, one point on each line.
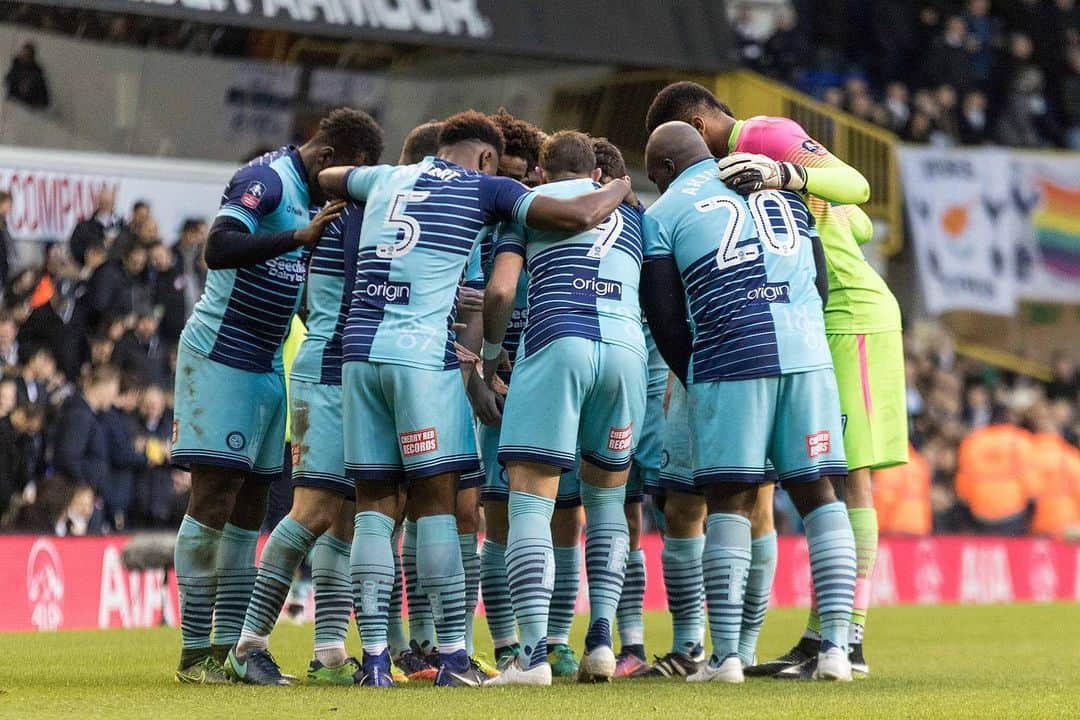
[945, 72]
[87, 354]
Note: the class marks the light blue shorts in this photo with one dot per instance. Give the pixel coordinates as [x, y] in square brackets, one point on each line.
[737, 426]
[497, 483]
[676, 461]
[318, 444]
[645, 472]
[226, 417]
[404, 423]
[575, 393]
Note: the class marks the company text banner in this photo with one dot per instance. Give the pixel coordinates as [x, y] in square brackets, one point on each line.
[53, 190]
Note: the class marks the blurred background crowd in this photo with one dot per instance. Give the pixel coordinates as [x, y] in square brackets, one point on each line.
[87, 354]
[947, 72]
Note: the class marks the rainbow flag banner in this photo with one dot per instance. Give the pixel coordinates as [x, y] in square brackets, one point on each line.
[1047, 225]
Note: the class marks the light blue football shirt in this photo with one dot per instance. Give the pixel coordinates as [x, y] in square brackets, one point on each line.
[747, 266]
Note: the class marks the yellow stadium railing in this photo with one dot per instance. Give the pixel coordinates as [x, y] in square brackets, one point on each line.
[616, 108]
[867, 147]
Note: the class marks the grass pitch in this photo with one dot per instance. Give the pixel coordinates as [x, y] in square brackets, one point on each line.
[1020, 661]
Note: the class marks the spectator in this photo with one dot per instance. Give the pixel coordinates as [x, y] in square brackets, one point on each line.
[98, 230]
[985, 32]
[139, 351]
[1069, 99]
[834, 96]
[749, 38]
[167, 287]
[101, 351]
[154, 491]
[81, 451]
[1055, 478]
[993, 478]
[117, 287]
[786, 50]
[9, 342]
[140, 229]
[7, 243]
[127, 457]
[9, 396]
[1065, 381]
[190, 262]
[25, 78]
[897, 98]
[950, 59]
[38, 376]
[82, 516]
[18, 456]
[1025, 117]
[977, 409]
[58, 326]
[902, 497]
[973, 122]
[948, 118]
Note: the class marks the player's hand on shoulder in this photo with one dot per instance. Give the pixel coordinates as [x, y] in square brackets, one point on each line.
[310, 235]
[749, 172]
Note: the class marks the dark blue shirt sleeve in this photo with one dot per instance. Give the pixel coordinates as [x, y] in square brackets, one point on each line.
[500, 197]
[254, 192]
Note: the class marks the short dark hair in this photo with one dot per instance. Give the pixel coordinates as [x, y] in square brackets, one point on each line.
[4, 196]
[608, 158]
[678, 101]
[422, 141]
[140, 205]
[568, 151]
[351, 132]
[471, 125]
[523, 139]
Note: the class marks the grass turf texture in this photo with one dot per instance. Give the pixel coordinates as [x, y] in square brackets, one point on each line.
[1016, 661]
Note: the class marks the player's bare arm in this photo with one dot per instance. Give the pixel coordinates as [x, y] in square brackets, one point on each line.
[581, 213]
[498, 307]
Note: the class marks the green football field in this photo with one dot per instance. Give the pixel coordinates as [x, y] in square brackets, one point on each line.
[1019, 661]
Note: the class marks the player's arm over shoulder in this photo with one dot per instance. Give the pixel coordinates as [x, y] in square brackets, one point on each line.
[353, 182]
[827, 176]
[510, 200]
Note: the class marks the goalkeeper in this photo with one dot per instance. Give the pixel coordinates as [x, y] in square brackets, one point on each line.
[862, 321]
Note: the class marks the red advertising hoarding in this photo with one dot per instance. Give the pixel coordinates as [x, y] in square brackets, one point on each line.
[49, 583]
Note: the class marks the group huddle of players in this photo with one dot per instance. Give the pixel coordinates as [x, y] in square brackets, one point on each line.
[497, 322]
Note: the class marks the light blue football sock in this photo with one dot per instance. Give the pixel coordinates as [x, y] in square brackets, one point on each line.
[530, 570]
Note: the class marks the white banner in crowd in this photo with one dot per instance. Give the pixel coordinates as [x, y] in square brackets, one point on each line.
[53, 190]
[955, 202]
[993, 226]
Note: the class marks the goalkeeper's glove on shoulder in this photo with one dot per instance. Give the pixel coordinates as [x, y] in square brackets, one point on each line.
[748, 172]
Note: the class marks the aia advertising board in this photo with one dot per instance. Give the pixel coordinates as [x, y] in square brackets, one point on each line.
[49, 583]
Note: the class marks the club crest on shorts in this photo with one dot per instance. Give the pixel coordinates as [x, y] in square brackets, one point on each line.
[236, 440]
[818, 443]
[296, 454]
[620, 439]
[418, 442]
